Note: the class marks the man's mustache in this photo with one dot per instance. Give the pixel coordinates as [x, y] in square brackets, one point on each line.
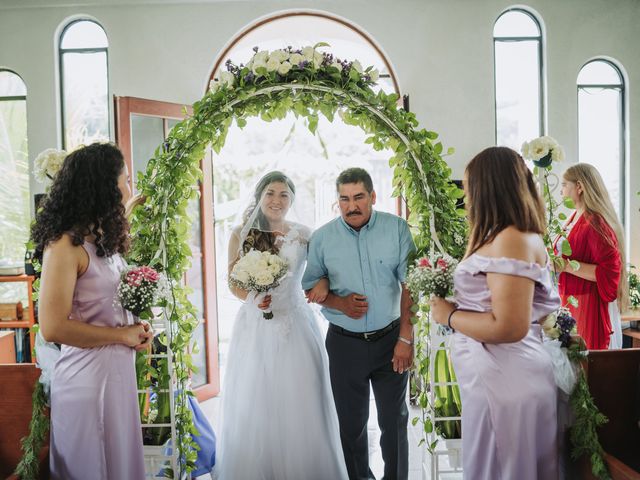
[355, 212]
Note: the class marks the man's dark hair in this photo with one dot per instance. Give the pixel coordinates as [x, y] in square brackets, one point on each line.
[355, 175]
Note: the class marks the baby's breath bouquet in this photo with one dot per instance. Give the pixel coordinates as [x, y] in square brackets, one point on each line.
[141, 288]
[258, 272]
[432, 275]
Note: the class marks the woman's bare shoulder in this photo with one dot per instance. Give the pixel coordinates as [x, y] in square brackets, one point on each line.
[513, 243]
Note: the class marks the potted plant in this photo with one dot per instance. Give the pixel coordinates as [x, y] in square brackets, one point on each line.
[448, 404]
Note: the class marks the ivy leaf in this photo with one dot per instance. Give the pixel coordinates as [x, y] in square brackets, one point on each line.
[567, 202]
[575, 265]
[313, 123]
[566, 248]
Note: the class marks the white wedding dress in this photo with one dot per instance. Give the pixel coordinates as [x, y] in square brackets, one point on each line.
[279, 421]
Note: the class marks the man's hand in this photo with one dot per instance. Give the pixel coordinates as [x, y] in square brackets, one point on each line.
[354, 305]
[402, 357]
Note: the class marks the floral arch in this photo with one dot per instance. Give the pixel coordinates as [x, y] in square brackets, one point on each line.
[308, 82]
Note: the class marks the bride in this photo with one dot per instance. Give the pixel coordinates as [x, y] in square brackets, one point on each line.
[278, 416]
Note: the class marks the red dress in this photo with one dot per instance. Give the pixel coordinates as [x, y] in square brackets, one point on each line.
[593, 241]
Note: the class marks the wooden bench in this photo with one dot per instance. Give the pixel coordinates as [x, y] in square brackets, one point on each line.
[17, 382]
[613, 377]
[634, 335]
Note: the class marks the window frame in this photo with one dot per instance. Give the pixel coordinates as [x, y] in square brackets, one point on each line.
[61, 52]
[542, 124]
[621, 87]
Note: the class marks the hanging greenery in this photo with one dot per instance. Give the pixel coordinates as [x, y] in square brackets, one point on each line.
[545, 152]
[308, 83]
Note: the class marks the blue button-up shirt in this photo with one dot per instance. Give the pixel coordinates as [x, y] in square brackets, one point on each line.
[370, 262]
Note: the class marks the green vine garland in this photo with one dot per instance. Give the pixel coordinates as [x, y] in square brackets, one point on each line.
[316, 84]
[587, 417]
[270, 86]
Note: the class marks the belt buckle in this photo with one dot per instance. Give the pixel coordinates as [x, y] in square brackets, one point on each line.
[366, 336]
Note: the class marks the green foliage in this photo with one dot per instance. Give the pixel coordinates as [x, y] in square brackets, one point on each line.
[583, 433]
[634, 289]
[161, 227]
[29, 466]
[587, 417]
[448, 403]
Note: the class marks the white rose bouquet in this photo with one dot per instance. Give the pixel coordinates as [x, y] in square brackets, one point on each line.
[542, 151]
[48, 163]
[259, 272]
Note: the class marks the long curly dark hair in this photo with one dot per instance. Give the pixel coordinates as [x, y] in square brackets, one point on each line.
[85, 199]
[260, 238]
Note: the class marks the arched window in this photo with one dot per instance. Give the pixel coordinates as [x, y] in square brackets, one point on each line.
[14, 168]
[313, 160]
[84, 85]
[601, 125]
[517, 42]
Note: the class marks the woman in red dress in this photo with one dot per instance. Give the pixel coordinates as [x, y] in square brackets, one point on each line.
[597, 243]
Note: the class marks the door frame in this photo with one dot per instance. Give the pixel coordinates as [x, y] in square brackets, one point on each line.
[124, 107]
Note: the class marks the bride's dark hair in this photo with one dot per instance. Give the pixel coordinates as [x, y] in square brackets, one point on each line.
[261, 238]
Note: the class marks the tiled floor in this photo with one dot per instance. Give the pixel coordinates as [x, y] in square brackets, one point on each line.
[212, 410]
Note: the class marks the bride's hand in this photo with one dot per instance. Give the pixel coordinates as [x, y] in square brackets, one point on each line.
[319, 292]
[260, 300]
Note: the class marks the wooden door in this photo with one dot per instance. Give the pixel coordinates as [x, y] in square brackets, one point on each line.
[141, 126]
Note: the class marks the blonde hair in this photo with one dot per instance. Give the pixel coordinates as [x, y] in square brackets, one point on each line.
[596, 200]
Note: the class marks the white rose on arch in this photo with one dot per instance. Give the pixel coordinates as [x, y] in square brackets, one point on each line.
[284, 68]
[296, 59]
[227, 79]
[357, 66]
[279, 56]
[307, 53]
[374, 75]
[259, 60]
[273, 64]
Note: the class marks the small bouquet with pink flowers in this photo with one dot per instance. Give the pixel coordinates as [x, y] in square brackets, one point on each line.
[432, 275]
[141, 288]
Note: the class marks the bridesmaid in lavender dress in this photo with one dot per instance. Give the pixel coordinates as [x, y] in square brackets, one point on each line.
[503, 290]
[80, 233]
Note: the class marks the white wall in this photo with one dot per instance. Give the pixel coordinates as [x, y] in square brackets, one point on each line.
[442, 52]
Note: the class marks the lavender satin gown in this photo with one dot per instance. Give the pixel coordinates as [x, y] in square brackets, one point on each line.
[95, 421]
[509, 412]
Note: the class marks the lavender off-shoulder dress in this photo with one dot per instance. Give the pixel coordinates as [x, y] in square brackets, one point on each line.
[95, 421]
[509, 413]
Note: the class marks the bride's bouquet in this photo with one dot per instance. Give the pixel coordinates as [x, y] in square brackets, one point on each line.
[141, 288]
[259, 272]
[432, 275]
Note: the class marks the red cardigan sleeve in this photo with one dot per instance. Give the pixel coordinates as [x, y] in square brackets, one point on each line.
[607, 259]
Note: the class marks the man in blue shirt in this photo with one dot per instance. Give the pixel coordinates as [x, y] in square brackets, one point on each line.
[364, 254]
